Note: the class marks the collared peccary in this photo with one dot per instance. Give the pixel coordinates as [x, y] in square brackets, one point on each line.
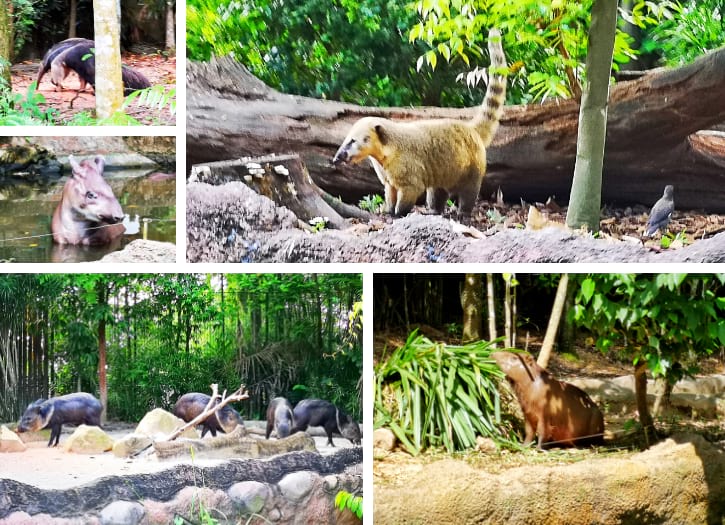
[280, 417]
[190, 405]
[88, 213]
[558, 412]
[321, 413]
[76, 409]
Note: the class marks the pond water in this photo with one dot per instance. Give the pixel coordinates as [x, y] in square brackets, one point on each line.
[148, 200]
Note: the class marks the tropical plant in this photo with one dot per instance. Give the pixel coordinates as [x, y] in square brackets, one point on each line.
[431, 394]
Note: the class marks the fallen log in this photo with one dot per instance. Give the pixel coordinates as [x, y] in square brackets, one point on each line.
[236, 444]
[654, 135]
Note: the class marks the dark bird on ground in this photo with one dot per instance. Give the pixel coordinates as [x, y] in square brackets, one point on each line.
[661, 213]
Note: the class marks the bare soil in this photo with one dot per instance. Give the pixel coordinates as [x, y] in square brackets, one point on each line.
[53, 468]
[158, 69]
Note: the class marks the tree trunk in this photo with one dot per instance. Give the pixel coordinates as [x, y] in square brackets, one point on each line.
[170, 25]
[554, 321]
[491, 308]
[6, 39]
[586, 192]
[472, 303]
[109, 84]
[72, 18]
[102, 383]
[640, 392]
[651, 138]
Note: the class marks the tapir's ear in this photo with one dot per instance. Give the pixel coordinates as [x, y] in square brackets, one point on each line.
[100, 164]
[74, 165]
[381, 133]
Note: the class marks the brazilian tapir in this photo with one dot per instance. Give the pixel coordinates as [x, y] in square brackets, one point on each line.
[88, 212]
[557, 412]
[321, 413]
[190, 405]
[280, 417]
[52, 54]
[76, 409]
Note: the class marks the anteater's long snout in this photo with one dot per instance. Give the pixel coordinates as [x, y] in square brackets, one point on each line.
[340, 157]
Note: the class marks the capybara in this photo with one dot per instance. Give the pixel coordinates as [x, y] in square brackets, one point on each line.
[76, 409]
[558, 413]
[51, 55]
[320, 413]
[88, 212]
[279, 417]
[190, 405]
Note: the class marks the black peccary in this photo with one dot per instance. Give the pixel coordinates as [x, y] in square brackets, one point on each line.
[73, 58]
[53, 52]
[280, 417]
[76, 409]
[321, 413]
[190, 405]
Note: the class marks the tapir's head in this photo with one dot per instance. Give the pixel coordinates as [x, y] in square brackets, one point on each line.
[367, 138]
[89, 194]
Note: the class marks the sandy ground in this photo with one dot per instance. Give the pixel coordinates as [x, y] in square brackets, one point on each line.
[53, 468]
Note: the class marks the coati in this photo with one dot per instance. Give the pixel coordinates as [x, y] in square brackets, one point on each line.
[444, 157]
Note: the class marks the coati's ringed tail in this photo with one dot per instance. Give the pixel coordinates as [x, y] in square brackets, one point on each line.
[443, 157]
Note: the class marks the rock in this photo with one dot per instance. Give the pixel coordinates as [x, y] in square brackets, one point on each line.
[143, 251]
[130, 444]
[122, 513]
[331, 483]
[191, 502]
[249, 496]
[485, 444]
[709, 385]
[88, 440]
[159, 423]
[297, 485]
[9, 441]
[383, 438]
[681, 480]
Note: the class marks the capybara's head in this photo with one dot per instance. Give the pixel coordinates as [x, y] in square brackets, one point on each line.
[519, 368]
[36, 416]
[366, 138]
[90, 195]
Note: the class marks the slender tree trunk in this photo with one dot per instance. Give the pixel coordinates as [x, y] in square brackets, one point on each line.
[554, 321]
[640, 391]
[72, 16]
[472, 303]
[170, 25]
[586, 191]
[109, 85]
[102, 384]
[6, 39]
[508, 317]
[491, 308]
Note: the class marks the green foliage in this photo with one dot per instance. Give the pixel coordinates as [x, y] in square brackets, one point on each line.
[662, 319]
[431, 394]
[19, 110]
[686, 30]
[372, 203]
[340, 50]
[345, 500]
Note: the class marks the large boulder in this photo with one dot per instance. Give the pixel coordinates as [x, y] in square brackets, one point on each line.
[681, 480]
[159, 423]
[88, 440]
[130, 444]
[9, 441]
